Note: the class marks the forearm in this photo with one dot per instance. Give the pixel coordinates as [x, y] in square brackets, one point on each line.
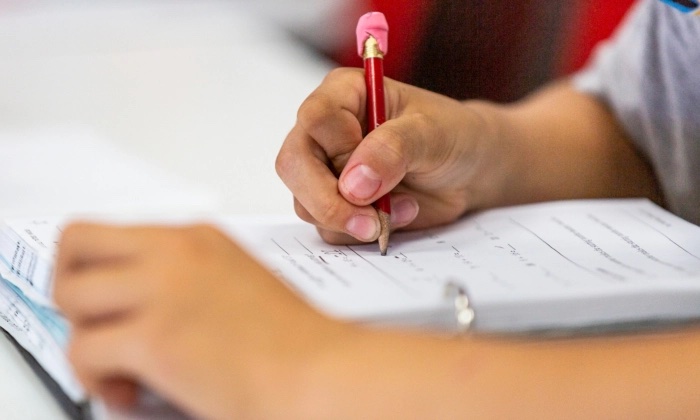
[560, 144]
[410, 376]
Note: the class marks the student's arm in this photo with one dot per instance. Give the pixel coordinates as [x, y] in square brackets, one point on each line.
[442, 158]
[186, 313]
[560, 143]
[414, 376]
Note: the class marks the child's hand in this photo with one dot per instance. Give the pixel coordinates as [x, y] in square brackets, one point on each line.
[430, 154]
[186, 313]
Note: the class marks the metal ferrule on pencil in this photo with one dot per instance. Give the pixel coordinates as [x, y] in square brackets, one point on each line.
[372, 49]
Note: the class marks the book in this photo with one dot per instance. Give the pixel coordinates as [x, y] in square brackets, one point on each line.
[562, 267]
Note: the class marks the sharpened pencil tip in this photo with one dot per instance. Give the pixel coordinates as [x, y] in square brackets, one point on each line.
[385, 228]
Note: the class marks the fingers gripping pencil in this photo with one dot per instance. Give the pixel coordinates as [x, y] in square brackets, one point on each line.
[372, 37]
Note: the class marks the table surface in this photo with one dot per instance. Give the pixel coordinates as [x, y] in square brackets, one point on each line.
[202, 89]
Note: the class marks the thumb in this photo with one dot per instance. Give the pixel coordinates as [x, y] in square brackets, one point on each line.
[383, 158]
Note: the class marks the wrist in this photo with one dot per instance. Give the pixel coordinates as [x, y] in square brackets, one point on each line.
[494, 156]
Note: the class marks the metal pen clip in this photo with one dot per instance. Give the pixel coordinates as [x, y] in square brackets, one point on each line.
[464, 313]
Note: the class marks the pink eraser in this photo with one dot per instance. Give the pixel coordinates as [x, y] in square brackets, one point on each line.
[372, 23]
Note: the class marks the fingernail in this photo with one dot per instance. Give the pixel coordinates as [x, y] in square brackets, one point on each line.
[403, 211]
[362, 227]
[361, 182]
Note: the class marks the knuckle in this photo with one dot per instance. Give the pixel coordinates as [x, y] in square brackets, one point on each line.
[400, 145]
[302, 213]
[60, 297]
[285, 163]
[75, 228]
[324, 101]
[194, 239]
[69, 231]
[427, 128]
[421, 122]
[69, 234]
[181, 250]
[390, 148]
[178, 244]
[350, 74]
[329, 237]
[331, 212]
[205, 231]
[314, 110]
[336, 238]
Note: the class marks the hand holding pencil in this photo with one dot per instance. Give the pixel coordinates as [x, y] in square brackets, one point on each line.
[432, 153]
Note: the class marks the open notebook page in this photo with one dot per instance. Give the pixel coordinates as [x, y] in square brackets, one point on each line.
[544, 266]
[561, 265]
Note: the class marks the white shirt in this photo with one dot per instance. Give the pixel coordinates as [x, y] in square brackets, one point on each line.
[649, 75]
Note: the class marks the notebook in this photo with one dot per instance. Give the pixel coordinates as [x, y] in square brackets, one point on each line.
[557, 266]
[562, 267]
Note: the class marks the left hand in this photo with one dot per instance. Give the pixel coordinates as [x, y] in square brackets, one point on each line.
[186, 313]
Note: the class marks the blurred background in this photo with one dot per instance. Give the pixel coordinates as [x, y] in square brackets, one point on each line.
[464, 48]
[497, 49]
[118, 63]
[210, 88]
[205, 89]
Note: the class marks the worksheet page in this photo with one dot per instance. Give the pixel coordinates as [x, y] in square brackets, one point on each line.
[550, 265]
[42, 336]
[522, 267]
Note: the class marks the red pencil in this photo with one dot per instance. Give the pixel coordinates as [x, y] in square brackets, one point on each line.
[372, 31]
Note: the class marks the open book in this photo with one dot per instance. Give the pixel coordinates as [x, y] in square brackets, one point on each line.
[562, 266]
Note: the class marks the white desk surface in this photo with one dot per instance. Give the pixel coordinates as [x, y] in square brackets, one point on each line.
[201, 89]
